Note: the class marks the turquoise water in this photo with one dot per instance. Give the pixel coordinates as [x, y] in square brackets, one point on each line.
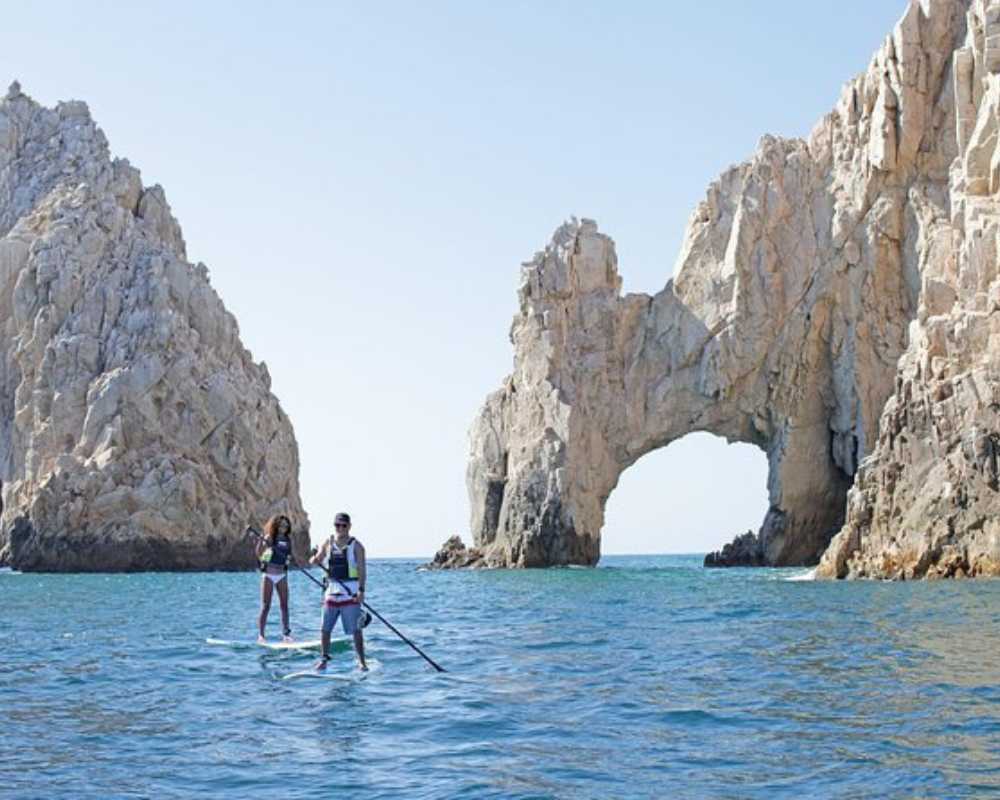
[646, 677]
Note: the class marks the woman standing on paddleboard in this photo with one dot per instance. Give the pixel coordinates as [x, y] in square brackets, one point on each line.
[274, 552]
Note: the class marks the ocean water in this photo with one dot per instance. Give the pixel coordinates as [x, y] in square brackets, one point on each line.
[645, 677]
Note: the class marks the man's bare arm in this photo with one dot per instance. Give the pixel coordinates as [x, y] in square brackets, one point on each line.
[321, 553]
[362, 567]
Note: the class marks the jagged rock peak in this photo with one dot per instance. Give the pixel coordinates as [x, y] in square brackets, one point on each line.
[805, 276]
[136, 431]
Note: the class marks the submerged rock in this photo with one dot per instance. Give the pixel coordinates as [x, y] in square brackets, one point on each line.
[136, 431]
[835, 303]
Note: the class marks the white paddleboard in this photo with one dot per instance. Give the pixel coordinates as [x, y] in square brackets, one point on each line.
[309, 644]
[335, 672]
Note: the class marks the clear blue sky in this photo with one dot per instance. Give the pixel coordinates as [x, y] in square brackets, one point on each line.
[363, 181]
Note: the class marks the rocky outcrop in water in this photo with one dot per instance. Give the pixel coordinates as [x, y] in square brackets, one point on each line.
[136, 431]
[805, 276]
[455, 555]
[743, 551]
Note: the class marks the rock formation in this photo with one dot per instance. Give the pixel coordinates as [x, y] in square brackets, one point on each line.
[926, 502]
[744, 551]
[455, 555]
[823, 286]
[136, 431]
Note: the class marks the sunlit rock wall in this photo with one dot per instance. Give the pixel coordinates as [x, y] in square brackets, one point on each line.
[803, 278]
[136, 431]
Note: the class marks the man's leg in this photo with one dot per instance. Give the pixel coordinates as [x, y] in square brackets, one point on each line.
[329, 618]
[359, 647]
[324, 648]
[352, 625]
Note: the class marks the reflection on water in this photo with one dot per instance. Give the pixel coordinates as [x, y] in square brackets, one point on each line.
[647, 677]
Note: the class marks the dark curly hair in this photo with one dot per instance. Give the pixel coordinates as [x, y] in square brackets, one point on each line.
[271, 528]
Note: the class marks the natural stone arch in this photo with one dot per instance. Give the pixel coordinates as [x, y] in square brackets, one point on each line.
[798, 278]
[602, 381]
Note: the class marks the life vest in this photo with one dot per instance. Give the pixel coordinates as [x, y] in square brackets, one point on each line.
[343, 565]
[277, 555]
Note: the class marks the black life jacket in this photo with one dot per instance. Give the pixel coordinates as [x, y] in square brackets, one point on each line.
[277, 554]
[339, 563]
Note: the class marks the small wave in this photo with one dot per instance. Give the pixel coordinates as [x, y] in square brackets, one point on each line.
[809, 575]
[696, 717]
[9, 571]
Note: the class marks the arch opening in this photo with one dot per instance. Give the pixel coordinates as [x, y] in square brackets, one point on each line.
[691, 496]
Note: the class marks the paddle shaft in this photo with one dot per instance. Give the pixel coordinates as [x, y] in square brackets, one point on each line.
[381, 619]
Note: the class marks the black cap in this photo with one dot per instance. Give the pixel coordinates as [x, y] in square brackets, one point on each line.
[342, 518]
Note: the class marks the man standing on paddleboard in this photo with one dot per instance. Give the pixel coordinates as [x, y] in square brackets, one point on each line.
[344, 559]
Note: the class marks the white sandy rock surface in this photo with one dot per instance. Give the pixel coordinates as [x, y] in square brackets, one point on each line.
[136, 431]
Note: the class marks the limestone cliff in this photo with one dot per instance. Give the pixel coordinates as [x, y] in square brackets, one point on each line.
[926, 503]
[136, 431]
[805, 275]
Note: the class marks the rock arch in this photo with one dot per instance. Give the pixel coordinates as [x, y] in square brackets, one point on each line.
[601, 380]
[798, 279]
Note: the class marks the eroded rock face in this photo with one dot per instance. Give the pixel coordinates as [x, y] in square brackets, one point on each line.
[136, 431]
[804, 276]
[926, 502]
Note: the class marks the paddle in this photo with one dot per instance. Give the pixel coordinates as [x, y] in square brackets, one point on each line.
[252, 530]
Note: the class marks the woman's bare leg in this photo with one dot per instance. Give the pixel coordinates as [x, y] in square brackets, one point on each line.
[286, 629]
[265, 604]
